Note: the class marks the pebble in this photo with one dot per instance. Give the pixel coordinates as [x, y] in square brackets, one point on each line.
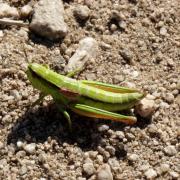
[163, 31]
[133, 157]
[88, 168]
[105, 46]
[152, 129]
[23, 170]
[150, 173]
[19, 144]
[104, 173]
[110, 149]
[122, 25]
[81, 178]
[178, 85]
[169, 97]
[145, 107]
[178, 100]
[82, 12]
[127, 55]
[15, 94]
[1, 34]
[135, 74]
[174, 174]
[113, 163]
[103, 128]
[170, 150]
[113, 27]
[8, 11]
[30, 148]
[170, 62]
[90, 76]
[164, 168]
[48, 20]
[26, 11]
[120, 134]
[1, 145]
[88, 48]
[118, 79]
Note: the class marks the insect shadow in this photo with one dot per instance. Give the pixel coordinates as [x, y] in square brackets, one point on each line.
[38, 124]
[43, 122]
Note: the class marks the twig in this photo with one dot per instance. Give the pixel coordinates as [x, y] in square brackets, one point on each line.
[11, 22]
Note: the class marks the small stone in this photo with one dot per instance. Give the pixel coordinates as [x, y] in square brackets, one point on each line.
[127, 55]
[81, 178]
[178, 85]
[110, 149]
[89, 3]
[48, 19]
[104, 173]
[113, 27]
[135, 74]
[120, 134]
[103, 128]
[105, 46]
[30, 148]
[7, 11]
[164, 168]
[113, 163]
[133, 157]
[169, 97]
[150, 173]
[93, 154]
[170, 62]
[1, 145]
[90, 76]
[88, 168]
[15, 94]
[152, 129]
[118, 79]
[163, 31]
[145, 107]
[174, 174]
[122, 25]
[178, 100]
[170, 150]
[88, 48]
[1, 34]
[82, 12]
[23, 170]
[144, 167]
[26, 11]
[19, 144]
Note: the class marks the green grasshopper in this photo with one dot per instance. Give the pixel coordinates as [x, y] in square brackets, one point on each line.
[86, 98]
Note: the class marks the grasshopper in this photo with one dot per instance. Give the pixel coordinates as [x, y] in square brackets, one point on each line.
[86, 98]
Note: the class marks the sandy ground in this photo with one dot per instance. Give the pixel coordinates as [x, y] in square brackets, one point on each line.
[145, 52]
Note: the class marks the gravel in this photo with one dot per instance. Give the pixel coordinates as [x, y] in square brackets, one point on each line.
[26, 11]
[88, 168]
[82, 12]
[133, 157]
[127, 43]
[30, 148]
[150, 174]
[104, 173]
[170, 150]
[8, 11]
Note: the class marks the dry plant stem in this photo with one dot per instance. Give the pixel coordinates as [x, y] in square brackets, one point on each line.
[11, 22]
